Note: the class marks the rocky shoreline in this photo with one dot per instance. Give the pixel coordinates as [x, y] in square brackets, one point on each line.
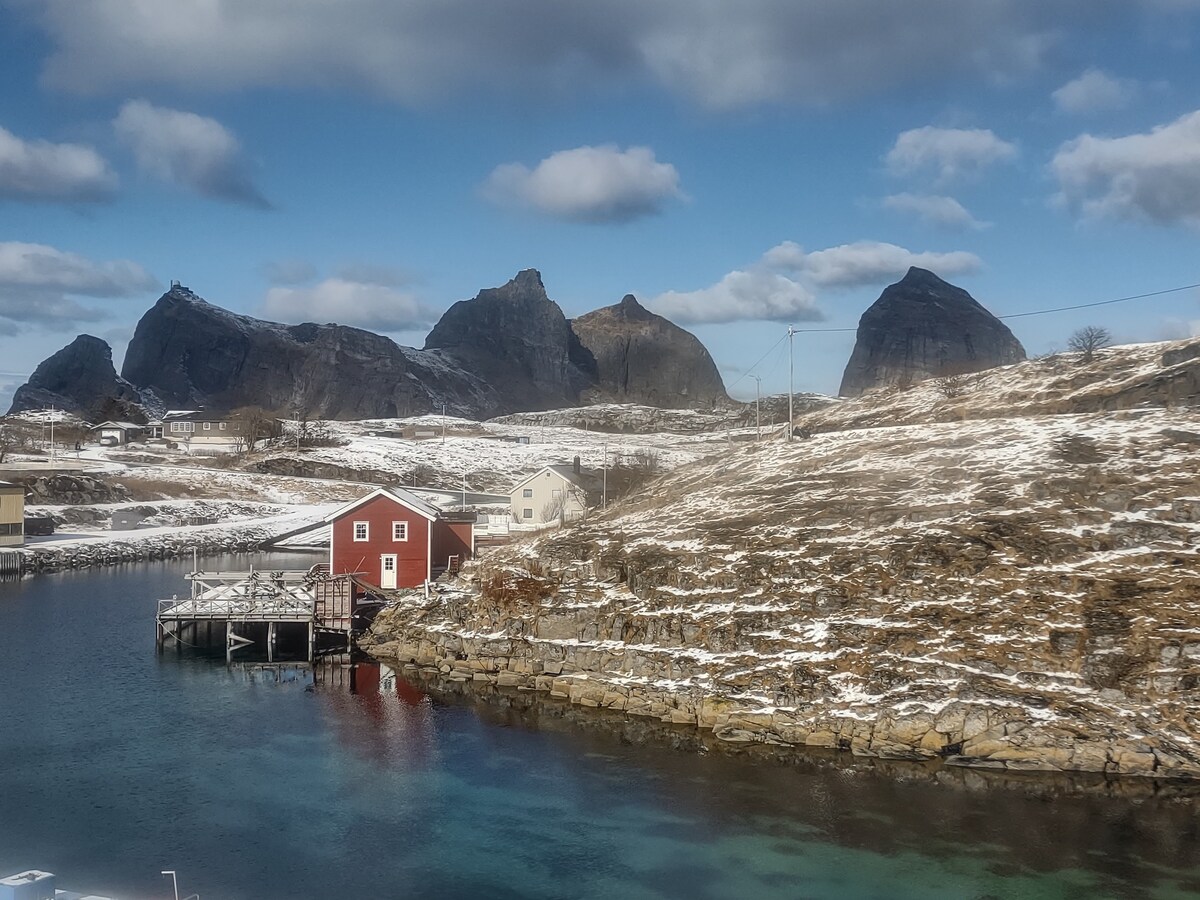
[526, 707]
[203, 542]
[440, 639]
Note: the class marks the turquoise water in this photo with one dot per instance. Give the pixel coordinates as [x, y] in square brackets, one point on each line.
[116, 764]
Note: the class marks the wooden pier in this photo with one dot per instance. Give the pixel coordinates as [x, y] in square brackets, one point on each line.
[289, 614]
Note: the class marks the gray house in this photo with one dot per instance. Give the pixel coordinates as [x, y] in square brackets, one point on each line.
[555, 494]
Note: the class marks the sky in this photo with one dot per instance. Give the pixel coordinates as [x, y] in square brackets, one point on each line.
[739, 167]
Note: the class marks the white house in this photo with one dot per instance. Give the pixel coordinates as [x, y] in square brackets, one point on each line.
[555, 494]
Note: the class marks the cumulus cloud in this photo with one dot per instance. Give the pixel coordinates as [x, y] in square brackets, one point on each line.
[375, 307]
[865, 262]
[1094, 91]
[40, 171]
[945, 212]
[588, 184]
[719, 54]
[782, 284]
[947, 153]
[39, 284]
[192, 151]
[1152, 176]
[742, 294]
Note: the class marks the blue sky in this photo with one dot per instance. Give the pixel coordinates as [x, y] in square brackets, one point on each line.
[737, 166]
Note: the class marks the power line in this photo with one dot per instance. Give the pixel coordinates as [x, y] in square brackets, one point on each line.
[746, 374]
[1039, 312]
[1042, 312]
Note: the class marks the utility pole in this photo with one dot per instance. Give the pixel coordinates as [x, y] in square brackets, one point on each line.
[443, 423]
[757, 417]
[464, 503]
[604, 478]
[791, 372]
[52, 418]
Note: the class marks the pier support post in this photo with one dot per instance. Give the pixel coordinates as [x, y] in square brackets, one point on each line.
[271, 641]
[312, 644]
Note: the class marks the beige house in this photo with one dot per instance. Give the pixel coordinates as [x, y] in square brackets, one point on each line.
[204, 433]
[555, 494]
[12, 515]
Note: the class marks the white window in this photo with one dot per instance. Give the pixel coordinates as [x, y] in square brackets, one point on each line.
[208, 426]
[183, 427]
[362, 531]
[528, 492]
[399, 531]
[527, 513]
[222, 426]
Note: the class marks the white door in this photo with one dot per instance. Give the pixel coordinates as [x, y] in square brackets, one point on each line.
[387, 570]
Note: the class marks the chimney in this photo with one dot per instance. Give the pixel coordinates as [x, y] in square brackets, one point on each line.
[576, 465]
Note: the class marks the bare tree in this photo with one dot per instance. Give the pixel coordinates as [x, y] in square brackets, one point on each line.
[1086, 341]
[952, 386]
[256, 425]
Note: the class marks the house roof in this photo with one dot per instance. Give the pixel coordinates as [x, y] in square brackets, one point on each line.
[585, 479]
[399, 495]
[125, 425]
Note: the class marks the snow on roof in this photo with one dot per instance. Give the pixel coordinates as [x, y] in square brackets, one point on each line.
[398, 494]
[125, 425]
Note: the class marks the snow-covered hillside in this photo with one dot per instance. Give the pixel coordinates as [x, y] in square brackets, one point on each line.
[1018, 591]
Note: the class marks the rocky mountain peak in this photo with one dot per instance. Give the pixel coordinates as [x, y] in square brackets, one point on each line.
[643, 358]
[80, 379]
[923, 326]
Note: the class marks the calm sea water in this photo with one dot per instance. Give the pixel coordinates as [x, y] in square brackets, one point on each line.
[116, 763]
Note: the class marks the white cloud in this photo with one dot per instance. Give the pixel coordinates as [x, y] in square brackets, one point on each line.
[188, 150]
[865, 262]
[947, 153]
[1152, 176]
[38, 284]
[782, 284]
[752, 294]
[372, 306]
[42, 171]
[588, 184]
[1094, 91]
[718, 53]
[935, 209]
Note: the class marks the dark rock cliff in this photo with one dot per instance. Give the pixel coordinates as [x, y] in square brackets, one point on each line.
[510, 349]
[922, 326]
[189, 353]
[517, 338]
[80, 379]
[643, 358]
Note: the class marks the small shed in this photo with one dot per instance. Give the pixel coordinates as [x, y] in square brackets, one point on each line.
[12, 514]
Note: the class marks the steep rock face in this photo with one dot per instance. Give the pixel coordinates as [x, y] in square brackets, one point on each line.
[921, 326]
[516, 336]
[80, 379]
[643, 358]
[188, 353]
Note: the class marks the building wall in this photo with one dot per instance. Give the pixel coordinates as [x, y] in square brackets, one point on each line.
[348, 555]
[451, 539]
[12, 517]
[543, 488]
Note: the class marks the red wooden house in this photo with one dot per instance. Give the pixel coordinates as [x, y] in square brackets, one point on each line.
[392, 538]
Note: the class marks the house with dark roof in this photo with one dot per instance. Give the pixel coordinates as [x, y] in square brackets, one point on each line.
[558, 493]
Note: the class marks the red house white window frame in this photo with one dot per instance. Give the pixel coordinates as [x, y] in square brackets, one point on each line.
[399, 531]
[362, 531]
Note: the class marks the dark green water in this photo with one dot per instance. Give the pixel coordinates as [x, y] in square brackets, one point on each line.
[116, 764]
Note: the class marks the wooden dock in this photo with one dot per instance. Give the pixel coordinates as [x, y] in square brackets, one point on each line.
[288, 614]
